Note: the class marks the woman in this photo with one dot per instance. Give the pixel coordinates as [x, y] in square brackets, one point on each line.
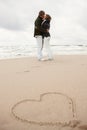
[46, 35]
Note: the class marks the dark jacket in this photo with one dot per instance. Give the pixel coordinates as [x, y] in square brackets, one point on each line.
[46, 25]
[38, 30]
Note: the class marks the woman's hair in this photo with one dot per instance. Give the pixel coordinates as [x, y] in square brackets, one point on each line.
[41, 13]
[48, 17]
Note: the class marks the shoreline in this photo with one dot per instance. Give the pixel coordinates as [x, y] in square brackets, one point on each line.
[34, 56]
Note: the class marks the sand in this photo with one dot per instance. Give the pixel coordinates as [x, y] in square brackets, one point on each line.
[43, 95]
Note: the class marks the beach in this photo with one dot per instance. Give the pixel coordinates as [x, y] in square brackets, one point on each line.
[43, 95]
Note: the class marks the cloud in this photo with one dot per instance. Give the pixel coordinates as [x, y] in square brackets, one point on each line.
[68, 16]
[10, 17]
[16, 15]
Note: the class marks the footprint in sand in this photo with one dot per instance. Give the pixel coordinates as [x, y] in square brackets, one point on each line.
[35, 66]
[25, 71]
[82, 127]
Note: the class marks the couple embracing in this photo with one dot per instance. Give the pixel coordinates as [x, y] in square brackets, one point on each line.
[42, 35]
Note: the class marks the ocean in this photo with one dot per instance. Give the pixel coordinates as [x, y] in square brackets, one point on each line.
[29, 49]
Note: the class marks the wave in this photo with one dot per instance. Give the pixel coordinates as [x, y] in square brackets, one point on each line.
[14, 51]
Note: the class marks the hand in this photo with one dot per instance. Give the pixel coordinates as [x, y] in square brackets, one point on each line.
[47, 30]
[36, 27]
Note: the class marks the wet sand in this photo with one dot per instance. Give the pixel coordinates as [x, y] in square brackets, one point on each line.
[43, 95]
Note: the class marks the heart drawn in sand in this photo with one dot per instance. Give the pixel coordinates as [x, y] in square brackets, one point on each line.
[52, 108]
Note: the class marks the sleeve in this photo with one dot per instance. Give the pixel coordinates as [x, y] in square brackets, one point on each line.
[45, 26]
[38, 26]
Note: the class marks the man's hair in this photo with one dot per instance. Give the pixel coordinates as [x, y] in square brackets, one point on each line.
[41, 13]
[48, 17]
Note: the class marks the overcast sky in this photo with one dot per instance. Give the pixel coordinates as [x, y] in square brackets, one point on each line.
[69, 19]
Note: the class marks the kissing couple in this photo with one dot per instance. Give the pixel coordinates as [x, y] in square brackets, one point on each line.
[42, 34]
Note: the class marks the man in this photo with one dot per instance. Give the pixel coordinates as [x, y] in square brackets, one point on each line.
[38, 32]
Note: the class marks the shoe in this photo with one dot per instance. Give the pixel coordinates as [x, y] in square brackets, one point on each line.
[50, 58]
[41, 59]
